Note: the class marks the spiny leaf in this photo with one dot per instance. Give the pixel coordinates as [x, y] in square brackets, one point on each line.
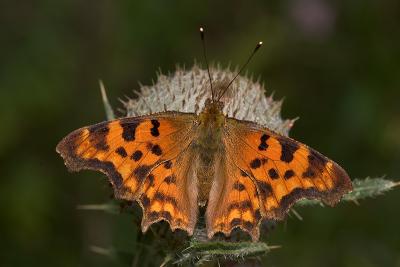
[200, 252]
[369, 187]
[362, 188]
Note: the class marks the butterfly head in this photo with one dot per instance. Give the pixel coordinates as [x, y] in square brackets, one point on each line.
[213, 106]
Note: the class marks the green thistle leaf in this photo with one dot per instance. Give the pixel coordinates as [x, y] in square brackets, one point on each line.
[362, 188]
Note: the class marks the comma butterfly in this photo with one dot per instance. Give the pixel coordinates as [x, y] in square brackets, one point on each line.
[173, 162]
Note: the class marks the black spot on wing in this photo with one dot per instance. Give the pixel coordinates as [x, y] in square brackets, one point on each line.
[288, 149]
[154, 130]
[121, 151]
[288, 174]
[137, 155]
[273, 174]
[156, 150]
[256, 163]
[128, 129]
[263, 142]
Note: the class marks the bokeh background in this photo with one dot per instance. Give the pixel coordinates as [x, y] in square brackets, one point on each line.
[336, 63]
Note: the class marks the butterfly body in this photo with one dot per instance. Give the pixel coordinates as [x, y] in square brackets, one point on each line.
[208, 145]
[172, 162]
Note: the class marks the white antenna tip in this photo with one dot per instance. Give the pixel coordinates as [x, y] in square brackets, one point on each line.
[260, 43]
[201, 29]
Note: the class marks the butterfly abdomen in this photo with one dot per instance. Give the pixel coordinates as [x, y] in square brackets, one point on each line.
[205, 173]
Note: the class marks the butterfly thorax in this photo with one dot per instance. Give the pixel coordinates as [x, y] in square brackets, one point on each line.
[211, 120]
[207, 145]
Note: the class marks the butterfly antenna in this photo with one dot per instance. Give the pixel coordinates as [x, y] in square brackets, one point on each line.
[205, 59]
[241, 69]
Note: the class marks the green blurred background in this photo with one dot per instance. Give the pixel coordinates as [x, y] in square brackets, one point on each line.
[335, 62]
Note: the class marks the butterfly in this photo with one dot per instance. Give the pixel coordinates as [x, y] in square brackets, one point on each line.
[173, 162]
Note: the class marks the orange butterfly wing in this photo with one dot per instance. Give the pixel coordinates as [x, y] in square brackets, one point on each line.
[233, 202]
[145, 159]
[266, 174]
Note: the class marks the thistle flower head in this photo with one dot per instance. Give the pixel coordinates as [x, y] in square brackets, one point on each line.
[187, 91]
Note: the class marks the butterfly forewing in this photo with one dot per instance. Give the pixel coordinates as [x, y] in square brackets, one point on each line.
[139, 155]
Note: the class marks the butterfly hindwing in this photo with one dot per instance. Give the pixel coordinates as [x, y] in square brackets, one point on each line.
[135, 153]
[278, 170]
[163, 197]
[233, 202]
